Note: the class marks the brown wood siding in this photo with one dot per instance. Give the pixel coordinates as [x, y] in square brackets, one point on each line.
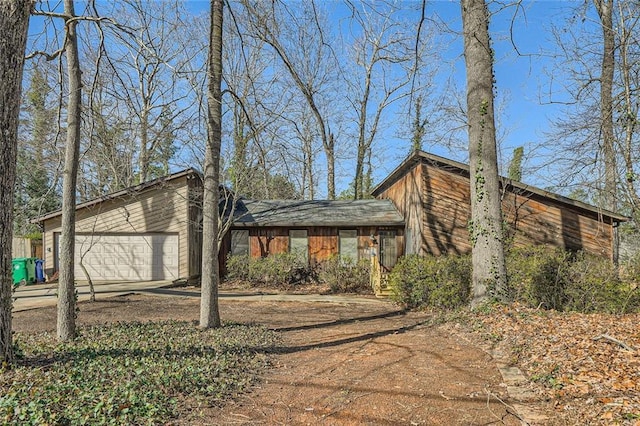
[323, 241]
[445, 203]
[160, 209]
[263, 241]
[546, 223]
[408, 196]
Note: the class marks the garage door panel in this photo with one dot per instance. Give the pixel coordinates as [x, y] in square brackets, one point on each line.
[139, 257]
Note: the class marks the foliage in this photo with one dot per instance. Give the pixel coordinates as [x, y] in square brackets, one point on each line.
[596, 286]
[537, 276]
[281, 270]
[345, 275]
[128, 373]
[442, 281]
[515, 165]
[553, 278]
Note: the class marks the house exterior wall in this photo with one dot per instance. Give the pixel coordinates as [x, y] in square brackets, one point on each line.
[163, 209]
[408, 196]
[443, 196]
[323, 241]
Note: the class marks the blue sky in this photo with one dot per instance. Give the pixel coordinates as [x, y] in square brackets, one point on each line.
[524, 112]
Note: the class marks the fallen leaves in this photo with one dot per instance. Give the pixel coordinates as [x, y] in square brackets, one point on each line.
[587, 364]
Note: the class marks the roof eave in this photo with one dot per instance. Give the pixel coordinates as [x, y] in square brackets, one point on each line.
[123, 192]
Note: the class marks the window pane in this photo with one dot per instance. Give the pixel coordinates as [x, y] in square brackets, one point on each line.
[388, 251]
[298, 243]
[349, 244]
[239, 242]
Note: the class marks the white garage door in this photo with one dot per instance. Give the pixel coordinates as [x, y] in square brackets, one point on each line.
[139, 257]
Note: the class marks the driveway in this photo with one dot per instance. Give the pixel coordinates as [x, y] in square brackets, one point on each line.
[45, 294]
[355, 363]
[40, 295]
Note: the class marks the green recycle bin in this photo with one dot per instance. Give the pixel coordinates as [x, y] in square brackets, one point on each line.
[24, 270]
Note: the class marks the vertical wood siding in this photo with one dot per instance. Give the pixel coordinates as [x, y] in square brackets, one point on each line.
[442, 194]
[323, 241]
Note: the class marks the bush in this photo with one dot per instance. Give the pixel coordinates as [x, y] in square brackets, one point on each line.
[442, 281]
[552, 278]
[345, 275]
[538, 276]
[595, 286]
[276, 270]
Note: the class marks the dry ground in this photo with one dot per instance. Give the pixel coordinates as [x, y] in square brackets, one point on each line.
[338, 363]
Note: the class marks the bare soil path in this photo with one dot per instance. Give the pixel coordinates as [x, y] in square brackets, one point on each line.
[337, 364]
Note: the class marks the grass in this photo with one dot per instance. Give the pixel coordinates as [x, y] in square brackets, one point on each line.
[129, 373]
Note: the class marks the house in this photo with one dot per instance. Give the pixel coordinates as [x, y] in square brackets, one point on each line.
[433, 195]
[317, 229]
[151, 231]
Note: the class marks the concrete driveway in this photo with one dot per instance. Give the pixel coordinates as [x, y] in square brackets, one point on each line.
[38, 295]
[45, 294]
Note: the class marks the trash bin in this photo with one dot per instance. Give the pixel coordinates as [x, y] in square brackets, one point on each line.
[39, 270]
[24, 270]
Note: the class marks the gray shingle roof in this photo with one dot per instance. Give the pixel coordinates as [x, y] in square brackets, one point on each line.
[291, 213]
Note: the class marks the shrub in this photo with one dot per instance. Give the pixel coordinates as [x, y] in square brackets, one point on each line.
[276, 270]
[595, 286]
[538, 276]
[345, 275]
[436, 281]
[238, 267]
[552, 278]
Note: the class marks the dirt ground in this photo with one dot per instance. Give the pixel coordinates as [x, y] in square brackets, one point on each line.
[338, 364]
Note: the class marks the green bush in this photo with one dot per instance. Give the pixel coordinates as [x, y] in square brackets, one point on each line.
[442, 281]
[238, 267]
[538, 276]
[552, 278]
[596, 286]
[345, 275]
[276, 270]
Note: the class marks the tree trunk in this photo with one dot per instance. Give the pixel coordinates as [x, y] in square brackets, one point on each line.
[486, 215]
[209, 312]
[605, 11]
[330, 153]
[14, 23]
[66, 326]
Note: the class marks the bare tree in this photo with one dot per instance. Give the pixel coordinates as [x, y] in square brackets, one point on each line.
[14, 23]
[209, 312]
[66, 325]
[144, 69]
[605, 11]
[486, 214]
[307, 57]
[629, 19]
[383, 69]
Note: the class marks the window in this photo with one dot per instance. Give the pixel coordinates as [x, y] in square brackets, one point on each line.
[348, 244]
[239, 242]
[299, 243]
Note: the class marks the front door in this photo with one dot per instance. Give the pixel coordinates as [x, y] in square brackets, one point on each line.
[388, 250]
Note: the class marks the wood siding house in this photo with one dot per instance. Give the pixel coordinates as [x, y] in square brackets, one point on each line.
[151, 231]
[433, 195]
[316, 229]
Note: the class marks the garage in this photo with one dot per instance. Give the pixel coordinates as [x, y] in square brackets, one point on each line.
[150, 231]
[132, 257]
